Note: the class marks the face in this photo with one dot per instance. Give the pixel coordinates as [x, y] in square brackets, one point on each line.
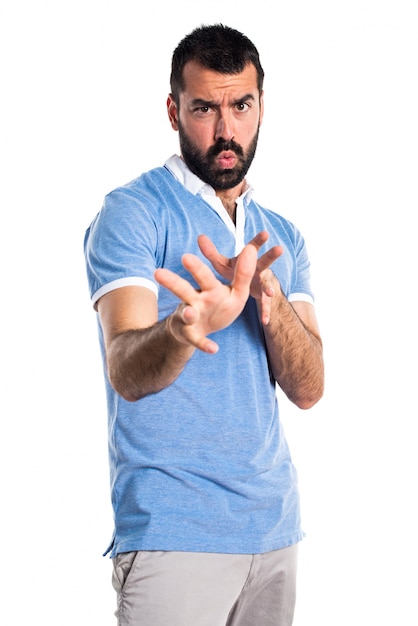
[218, 122]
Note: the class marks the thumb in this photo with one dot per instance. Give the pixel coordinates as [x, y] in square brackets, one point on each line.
[244, 269]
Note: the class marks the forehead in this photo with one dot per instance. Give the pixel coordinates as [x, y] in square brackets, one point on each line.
[201, 82]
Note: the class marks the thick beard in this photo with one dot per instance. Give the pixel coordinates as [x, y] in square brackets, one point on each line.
[204, 165]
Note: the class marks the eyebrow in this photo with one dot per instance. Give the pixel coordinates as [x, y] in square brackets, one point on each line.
[200, 102]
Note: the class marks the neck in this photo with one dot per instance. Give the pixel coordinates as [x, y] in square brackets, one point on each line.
[230, 206]
[228, 198]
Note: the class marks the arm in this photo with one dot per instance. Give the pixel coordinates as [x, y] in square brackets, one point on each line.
[143, 355]
[291, 331]
[295, 349]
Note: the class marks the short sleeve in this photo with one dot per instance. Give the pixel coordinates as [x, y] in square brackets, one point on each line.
[120, 245]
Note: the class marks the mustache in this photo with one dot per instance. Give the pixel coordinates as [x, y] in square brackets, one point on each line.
[221, 145]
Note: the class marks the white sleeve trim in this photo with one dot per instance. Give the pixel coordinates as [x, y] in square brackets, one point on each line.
[129, 281]
[300, 297]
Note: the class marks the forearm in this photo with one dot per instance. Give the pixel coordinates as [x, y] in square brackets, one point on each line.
[145, 361]
[295, 354]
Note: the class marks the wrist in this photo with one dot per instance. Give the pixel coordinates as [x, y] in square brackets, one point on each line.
[175, 327]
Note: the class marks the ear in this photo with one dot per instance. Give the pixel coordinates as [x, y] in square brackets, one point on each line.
[261, 108]
[172, 112]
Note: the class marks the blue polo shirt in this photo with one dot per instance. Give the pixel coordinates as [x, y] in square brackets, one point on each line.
[202, 465]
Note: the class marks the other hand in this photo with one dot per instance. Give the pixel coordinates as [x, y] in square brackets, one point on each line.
[263, 284]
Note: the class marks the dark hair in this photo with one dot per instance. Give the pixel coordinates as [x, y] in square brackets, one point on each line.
[217, 48]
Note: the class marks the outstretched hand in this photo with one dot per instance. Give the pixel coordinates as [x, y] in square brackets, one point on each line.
[215, 305]
[263, 284]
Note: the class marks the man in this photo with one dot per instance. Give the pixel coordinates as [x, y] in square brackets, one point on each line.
[198, 322]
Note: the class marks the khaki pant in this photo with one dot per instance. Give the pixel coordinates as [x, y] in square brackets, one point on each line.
[205, 589]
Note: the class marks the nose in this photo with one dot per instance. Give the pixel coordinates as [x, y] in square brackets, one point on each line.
[224, 128]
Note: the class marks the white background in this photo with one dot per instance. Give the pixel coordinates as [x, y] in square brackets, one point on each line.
[84, 85]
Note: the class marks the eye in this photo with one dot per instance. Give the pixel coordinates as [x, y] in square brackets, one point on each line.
[202, 110]
[242, 106]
